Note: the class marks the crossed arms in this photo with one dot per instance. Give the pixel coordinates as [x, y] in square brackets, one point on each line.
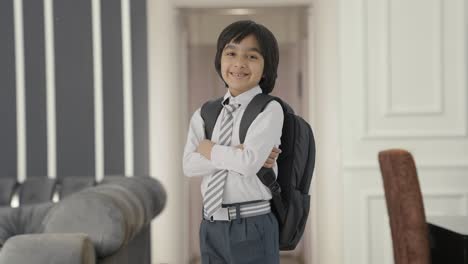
[204, 157]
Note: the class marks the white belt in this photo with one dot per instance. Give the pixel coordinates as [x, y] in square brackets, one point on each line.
[229, 212]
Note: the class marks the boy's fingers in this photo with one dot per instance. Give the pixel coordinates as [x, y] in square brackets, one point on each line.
[273, 155]
[276, 150]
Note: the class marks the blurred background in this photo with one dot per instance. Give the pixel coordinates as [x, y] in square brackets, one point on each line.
[100, 87]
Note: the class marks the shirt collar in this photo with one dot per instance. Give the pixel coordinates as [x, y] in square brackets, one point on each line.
[243, 98]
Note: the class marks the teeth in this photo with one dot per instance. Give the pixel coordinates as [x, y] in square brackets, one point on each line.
[239, 75]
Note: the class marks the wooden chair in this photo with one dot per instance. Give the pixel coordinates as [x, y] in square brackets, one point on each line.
[405, 207]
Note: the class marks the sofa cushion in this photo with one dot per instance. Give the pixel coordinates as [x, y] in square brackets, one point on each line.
[148, 190]
[7, 187]
[111, 213]
[73, 184]
[131, 207]
[36, 190]
[7, 224]
[91, 213]
[22, 220]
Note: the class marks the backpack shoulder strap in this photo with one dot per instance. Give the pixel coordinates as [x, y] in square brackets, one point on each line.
[209, 113]
[266, 175]
[254, 108]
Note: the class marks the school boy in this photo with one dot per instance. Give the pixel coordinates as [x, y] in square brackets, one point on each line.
[238, 226]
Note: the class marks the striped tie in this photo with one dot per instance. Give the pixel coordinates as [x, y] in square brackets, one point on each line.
[213, 197]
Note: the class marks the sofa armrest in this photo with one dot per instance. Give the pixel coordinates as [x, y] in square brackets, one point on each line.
[48, 249]
[111, 214]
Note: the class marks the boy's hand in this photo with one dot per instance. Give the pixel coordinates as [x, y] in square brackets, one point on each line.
[271, 159]
[204, 148]
[241, 146]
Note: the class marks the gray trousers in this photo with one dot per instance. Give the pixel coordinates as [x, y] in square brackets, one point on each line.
[251, 240]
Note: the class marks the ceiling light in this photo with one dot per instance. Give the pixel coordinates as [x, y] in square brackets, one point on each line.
[240, 11]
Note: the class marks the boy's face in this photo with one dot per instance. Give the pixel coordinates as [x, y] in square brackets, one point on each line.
[242, 65]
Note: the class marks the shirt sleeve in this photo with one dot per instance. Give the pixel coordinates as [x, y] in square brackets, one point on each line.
[195, 164]
[263, 134]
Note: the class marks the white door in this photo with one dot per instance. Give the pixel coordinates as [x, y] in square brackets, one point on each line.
[403, 85]
[204, 83]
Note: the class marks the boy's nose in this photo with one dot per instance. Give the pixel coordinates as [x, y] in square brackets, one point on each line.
[240, 62]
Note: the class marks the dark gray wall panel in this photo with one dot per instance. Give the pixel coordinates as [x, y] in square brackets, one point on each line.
[140, 87]
[8, 150]
[74, 88]
[112, 87]
[35, 88]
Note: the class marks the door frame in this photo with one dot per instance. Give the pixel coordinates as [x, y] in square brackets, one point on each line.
[168, 125]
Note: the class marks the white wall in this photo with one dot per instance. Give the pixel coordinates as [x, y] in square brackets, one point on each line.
[167, 116]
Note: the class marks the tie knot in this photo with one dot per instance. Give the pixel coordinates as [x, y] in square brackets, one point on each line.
[231, 108]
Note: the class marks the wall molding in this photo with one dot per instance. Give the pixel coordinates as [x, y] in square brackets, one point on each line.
[437, 108]
[20, 91]
[98, 91]
[368, 165]
[366, 198]
[369, 133]
[127, 86]
[369, 196]
[50, 89]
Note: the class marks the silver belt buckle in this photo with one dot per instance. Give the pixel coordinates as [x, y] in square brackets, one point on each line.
[222, 214]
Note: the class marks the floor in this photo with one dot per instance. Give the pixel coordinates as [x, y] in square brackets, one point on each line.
[284, 260]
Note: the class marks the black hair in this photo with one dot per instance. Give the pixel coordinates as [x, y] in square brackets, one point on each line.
[236, 32]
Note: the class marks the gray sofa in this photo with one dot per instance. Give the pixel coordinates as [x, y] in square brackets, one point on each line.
[105, 223]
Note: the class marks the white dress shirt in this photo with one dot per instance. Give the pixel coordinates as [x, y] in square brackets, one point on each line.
[242, 183]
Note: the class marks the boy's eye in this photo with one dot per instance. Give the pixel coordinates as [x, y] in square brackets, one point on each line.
[253, 57]
[230, 54]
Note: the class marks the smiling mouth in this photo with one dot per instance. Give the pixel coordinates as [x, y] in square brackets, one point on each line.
[238, 75]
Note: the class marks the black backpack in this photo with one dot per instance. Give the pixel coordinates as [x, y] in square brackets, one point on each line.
[291, 201]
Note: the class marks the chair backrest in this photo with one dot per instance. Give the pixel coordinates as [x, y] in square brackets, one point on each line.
[405, 207]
